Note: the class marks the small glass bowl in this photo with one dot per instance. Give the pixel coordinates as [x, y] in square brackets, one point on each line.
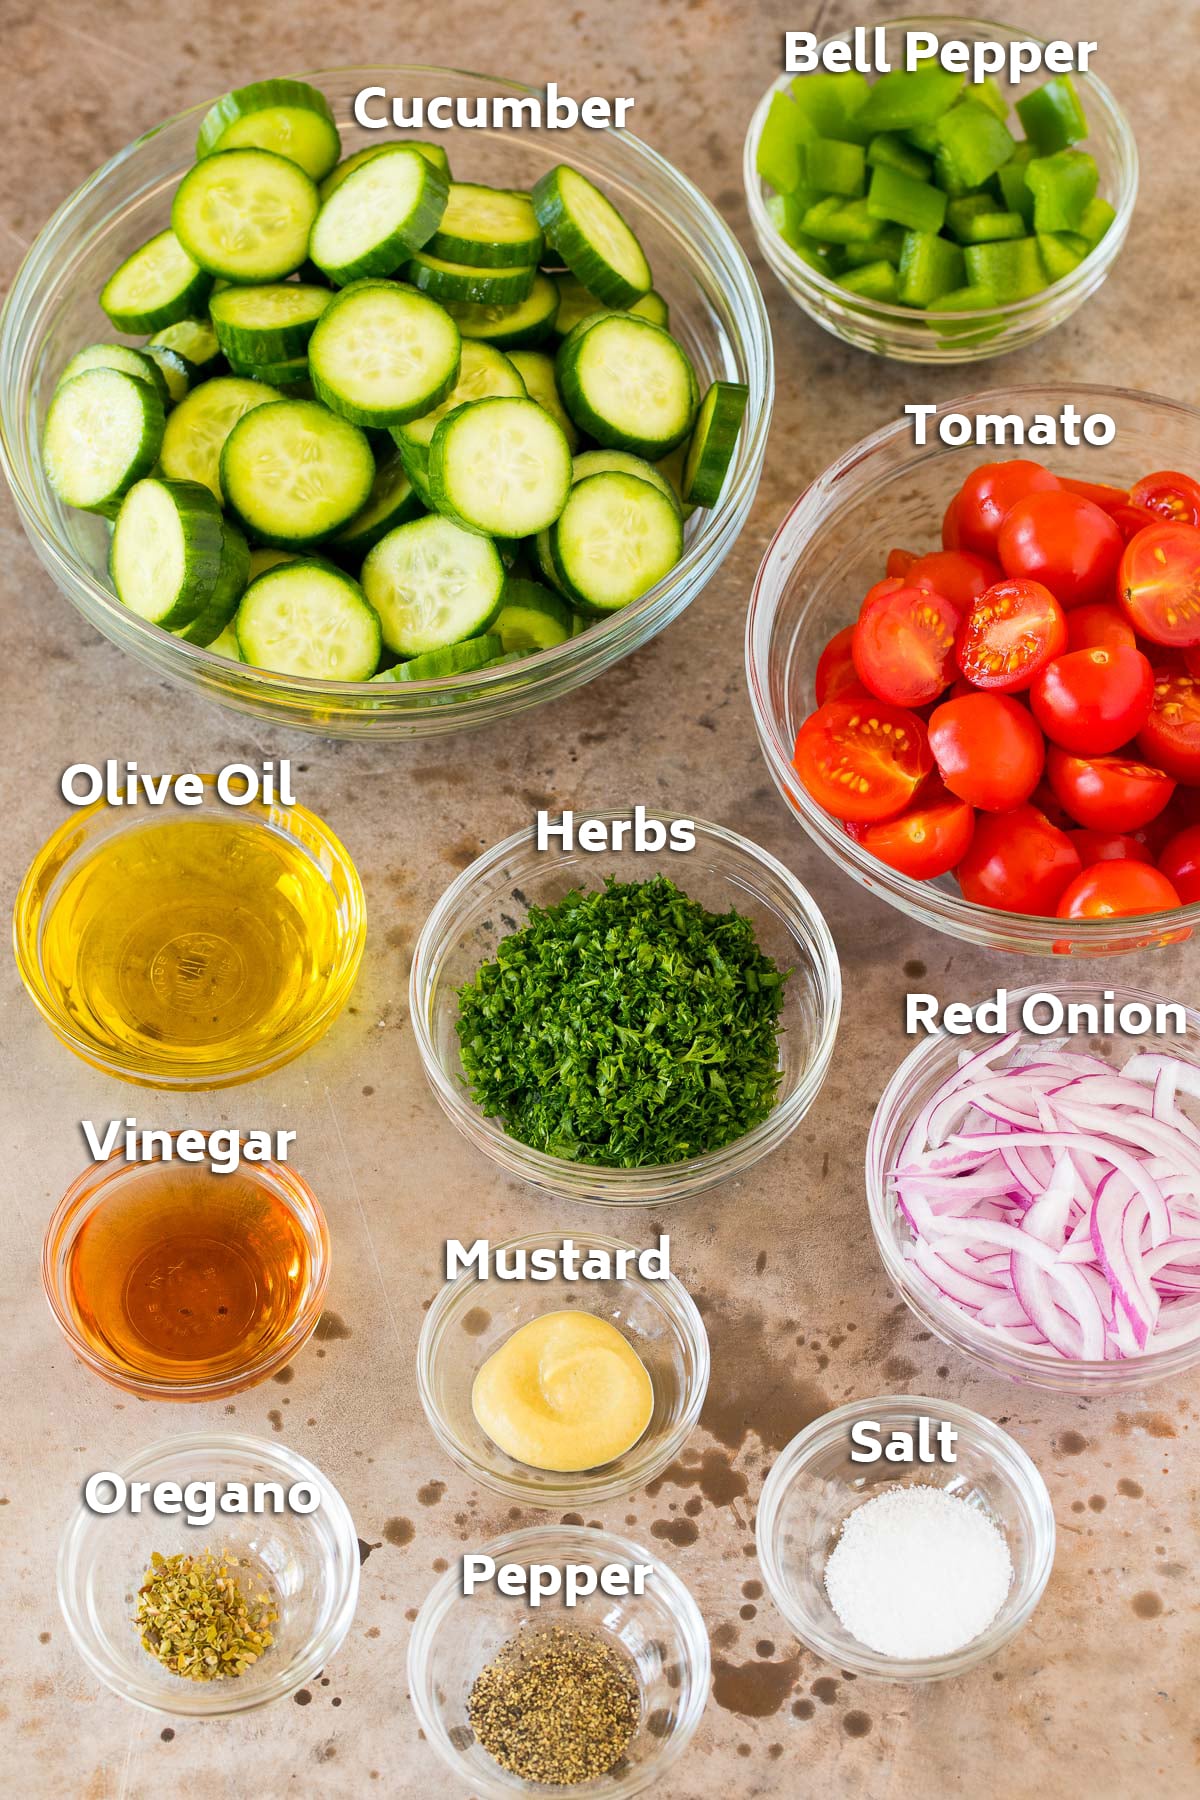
[493, 897]
[470, 1319]
[813, 1486]
[832, 547]
[906, 333]
[661, 1631]
[184, 1067]
[924, 1069]
[116, 1180]
[309, 1560]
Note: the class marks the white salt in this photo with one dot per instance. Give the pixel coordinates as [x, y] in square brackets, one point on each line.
[917, 1572]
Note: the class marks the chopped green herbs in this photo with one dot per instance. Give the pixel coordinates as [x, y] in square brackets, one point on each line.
[625, 1026]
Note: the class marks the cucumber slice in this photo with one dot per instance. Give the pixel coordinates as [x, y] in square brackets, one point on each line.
[458, 281]
[510, 327]
[294, 472]
[262, 325]
[455, 659]
[245, 215]
[415, 458]
[601, 462]
[392, 501]
[531, 618]
[104, 431]
[290, 379]
[383, 354]
[118, 356]
[433, 584]
[165, 555]
[591, 237]
[308, 618]
[384, 210]
[488, 228]
[160, 283]
[197, 429]
[714, 439]
[216, 615]
[263, 559]
[652, 306]
[174, 370]
[628, 384]
[501, 467]
[616, 537]
[575, 304]
[544, 553]
[484, 373]
[288, 118]
[431, 152]
[536, 370]
[226, 644]
[194, 340]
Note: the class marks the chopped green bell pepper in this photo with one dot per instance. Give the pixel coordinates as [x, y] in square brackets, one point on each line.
[836, 221]
[904, 98]
[888, 150]
[975, 142]
[929, 266]
[1061, 251]
[1052, 116]
[898, 197]
[1098, 215]
[886, 246]
[877, 281]
[923, 138]
[830, 104]
[1012, 270]
[832, 167]
[1012, 186]
[988, 94]
[1062, 185]
[982, 224]
[784, 132]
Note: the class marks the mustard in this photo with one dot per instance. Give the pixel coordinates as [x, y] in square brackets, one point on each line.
[565, 1392]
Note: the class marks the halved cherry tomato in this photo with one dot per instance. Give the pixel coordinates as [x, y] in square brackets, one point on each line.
[1107, 793]
[862, 760]
[1047, 802]
[1098, 626]
[1130, 519]
[1170, 735]
[1169, 496]
[958, 575]
[988, 750]
[1180, 863]
[1159, 584]
[904, 643]
[1117, 890]
[951, 529]
[1108, 846]
[1011, 632]
[1018, 861]
[835, 668]
[1067, 543]
[1093, 701]
[1099, 491]
[927, 841]
[1191, 661]
[988, 495]
[899, 562]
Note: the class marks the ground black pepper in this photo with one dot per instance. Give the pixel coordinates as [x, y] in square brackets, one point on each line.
[556, 1705]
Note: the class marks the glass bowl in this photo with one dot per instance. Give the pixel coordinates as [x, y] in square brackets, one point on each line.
[661, 1631]
[310, 1561]
[116, 1181]
[289, 1019]
[493, 897]
[717, 312]
[832, 547]
[814, 1486]
[924, 1069]
[906, 333]
[658, 1318]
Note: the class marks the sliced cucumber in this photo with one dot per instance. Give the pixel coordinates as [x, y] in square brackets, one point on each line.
[226, 644]
[104, 431]
[459, 281]
[415, 458]
[382, 353]
[308, 618]
[601, 462]
[536, 370]
[165, 555]
[263, 559]
[197, 429]
[628, 384]
[652, 306]
[484, 373]
[286, 117]
[194, 340]
[290, 379]
[616, 537]
[118, 356]
[488, 228]
[501, 467]
[262, 325]
[384, 210]
[574, 304]
[294, 472]
[714, 439]
[455, 659]
[433, 584]
[544, 552]
[392, 501]
[531, 618]
[160, 283]
[591, 237]
[510, 327]
[433, 153]
[245, 215]
[174, 370]
[216, 615]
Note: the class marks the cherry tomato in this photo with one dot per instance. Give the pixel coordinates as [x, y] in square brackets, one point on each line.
[899, 562]
[1108, 846]
[861, 760]
[987, 496]
[1099, 491]
[1067, 543]
[1017, 861]
[1094, 625]
[1180, 863]
[951, 528]
[988, 750]
[904, 643]
[1170, 735]
[1093, 701]
[1170, 496]
[835, 668]
[1046, 802]
[1107, 793]
[957, 575]
[1130, 519]
[1159, 584]
[1011, 632]
[1191, 661]
[927, 841]
[1117, 890]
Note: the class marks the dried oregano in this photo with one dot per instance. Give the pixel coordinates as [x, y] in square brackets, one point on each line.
[195, 1619]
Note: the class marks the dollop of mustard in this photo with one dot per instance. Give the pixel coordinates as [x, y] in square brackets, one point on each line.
[566, 1392]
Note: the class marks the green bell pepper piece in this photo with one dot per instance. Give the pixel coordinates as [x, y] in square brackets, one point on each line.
[837, 221]
[877, 281]
[1098, 215]
[830, 104]
[1061, 251]
[832, 167]
[888, 150]
[988, 94]
[974, 298]
[1012, 270]
[975, 304]
[1053, 116]
[1062, 185]
[886, 246]
[976, 143]
[982, 224]
[785, 131]
[929, 266]
[904, 98]
[1012, 187]
[923, 138]
[899, 198]
[816, 255]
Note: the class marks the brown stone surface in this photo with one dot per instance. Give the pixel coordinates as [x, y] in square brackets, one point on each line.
[1098, 1695]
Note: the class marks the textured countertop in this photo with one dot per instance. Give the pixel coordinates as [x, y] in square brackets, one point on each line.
[1098, 1695]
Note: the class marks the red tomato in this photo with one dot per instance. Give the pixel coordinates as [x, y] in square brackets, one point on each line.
[862, 760]
[904, 643]
[1169, 495]
[1018, 861]
[835, 667]
[1180, 863]
[1092, 701]
[988, 494]
[1130, 519]
[1159, 584]
[927, 841]
[951, 529]
[1191, 661]
[899, 562]
[1117, 890]
[1107, 793]
[1011, 631]
[1108, 846]
[1067, 543]
[1044, 799]
[1094, 625]
[1170, 735]
[988, 750]
[1099, 491]
[957, 575]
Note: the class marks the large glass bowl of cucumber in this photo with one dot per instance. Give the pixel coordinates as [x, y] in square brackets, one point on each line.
[929, 217]
[383, 430]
